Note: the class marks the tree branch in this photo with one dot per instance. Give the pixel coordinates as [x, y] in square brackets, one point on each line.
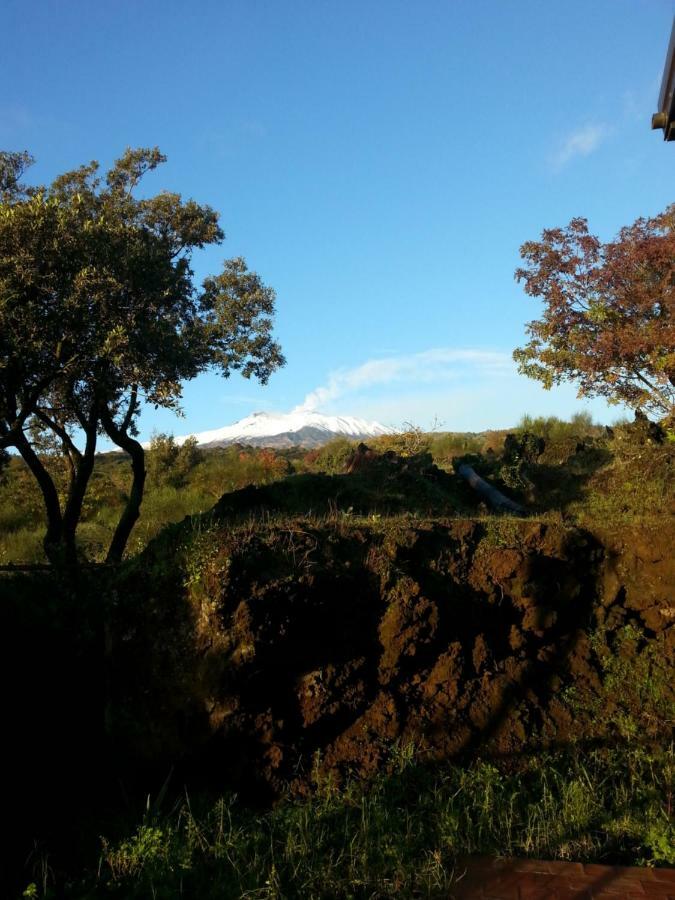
[658, 397]
[60, 432]
[133, 404]
[50, 496]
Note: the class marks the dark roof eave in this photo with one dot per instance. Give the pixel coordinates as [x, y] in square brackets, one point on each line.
[667, 92]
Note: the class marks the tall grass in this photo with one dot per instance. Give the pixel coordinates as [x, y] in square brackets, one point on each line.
[22, 516]
[22, 545]
[403, 835]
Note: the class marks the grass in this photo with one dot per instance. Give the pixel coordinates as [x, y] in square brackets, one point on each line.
[402, 835]
[22, 513]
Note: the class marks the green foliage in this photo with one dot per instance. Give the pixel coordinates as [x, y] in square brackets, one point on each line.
[586, 473]
[333, 457]
[637, 682]
[168, 463]
[660, 839]
[519, 453]
[98, 308]
[553, 429]
[145, 851]
[22, 546]
[410, 440]
[502, 532]
[450, 444]
[621, 482]
[12, 167]
[188, 486]
[635, 697]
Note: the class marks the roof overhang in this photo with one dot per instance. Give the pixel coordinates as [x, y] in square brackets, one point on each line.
[665, 117]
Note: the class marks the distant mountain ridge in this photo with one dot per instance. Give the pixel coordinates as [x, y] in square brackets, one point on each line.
[295, 429]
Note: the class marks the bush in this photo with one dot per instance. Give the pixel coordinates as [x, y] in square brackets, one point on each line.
[410, 440]
[444, 447]
[170, 464]
[333, 458]
[553, 429]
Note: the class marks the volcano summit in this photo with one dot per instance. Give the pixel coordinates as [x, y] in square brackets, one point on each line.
[295, 429]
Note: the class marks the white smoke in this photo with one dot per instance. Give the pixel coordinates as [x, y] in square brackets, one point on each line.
[429, 367]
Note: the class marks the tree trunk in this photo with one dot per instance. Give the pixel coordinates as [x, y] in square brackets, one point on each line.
[84, 466]
[52, 541]
[132, 509]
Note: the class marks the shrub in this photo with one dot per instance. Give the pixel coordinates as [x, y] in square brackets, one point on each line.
[167, 463]
[553, 429]
[333, 457]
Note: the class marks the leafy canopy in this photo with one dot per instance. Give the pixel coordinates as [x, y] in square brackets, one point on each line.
[609, 312]
[99, 313]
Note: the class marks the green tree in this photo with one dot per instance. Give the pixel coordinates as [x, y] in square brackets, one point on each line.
[100, 314]
[169, 463]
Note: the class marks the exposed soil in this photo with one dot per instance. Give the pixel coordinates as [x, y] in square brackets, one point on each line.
[261, 646]
[270, 654]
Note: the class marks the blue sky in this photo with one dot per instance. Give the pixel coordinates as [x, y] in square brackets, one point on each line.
[378, 162]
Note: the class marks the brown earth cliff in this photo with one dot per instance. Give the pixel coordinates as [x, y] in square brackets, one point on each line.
[270, 653]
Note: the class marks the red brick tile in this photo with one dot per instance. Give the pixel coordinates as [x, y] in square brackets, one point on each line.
[537, 866]
[463, 890]
[501, 893]
[535, 886]
[504, 888]
[595, 869]
[567, 869]
[466, 892]
[603, 895]
[570, 893]
[621, 886]
[635, 873]
[528, 879]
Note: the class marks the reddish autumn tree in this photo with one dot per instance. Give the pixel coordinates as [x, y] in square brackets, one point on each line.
[609, 312]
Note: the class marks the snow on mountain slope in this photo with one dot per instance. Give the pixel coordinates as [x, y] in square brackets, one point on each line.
[286, 429]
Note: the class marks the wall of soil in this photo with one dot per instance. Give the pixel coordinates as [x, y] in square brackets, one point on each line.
[266, 654]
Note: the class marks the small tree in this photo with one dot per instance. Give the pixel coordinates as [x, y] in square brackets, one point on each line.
[169, 463]
[609, 312]
[99, 314]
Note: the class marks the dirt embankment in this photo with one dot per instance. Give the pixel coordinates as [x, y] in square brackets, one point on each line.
[265, 654]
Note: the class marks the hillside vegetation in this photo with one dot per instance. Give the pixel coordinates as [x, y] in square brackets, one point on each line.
[581, 471]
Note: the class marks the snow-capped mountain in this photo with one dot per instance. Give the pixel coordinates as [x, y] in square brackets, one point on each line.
[294, 429]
